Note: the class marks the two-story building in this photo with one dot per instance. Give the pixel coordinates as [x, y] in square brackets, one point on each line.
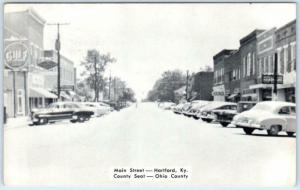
[248, 53]
[219, 92]
[23, 43]
[285, 42]
[233, 76]
[202, 90]
[265, 64]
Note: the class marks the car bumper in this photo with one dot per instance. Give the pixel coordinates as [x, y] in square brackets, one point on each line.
[207, 117]
[248, 125]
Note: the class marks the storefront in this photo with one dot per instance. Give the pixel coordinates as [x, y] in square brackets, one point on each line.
[16, 77]
[219, 93]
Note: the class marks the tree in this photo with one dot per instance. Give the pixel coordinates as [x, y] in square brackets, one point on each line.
[163, 89]
[83, 90]
[95, 64]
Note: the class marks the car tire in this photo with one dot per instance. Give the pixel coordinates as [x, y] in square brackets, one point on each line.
[209, 120]
[224, 124]
[73, 121]
[274, 130]
[43, 121]
[195, 117]
[248, 131]
[290, 134]
[81, 118]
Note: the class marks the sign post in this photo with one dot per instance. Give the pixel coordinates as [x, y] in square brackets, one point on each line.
[16, 58]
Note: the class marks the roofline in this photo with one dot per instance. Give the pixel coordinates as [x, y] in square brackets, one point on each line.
[224, 52]
[289, 23]
[33, 14]
[250, 35]
[262, 33]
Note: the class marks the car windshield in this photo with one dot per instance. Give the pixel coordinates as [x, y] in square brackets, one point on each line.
[53, 105]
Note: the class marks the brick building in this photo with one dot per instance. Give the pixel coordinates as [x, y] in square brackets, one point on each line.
[233, 76]
[219, 92]
[248, 50]
[201, 86]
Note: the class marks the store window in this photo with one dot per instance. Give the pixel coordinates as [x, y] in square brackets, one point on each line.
[289, 59]
[281, 61]
[254, 62]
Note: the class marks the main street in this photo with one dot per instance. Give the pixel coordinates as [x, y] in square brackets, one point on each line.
[145, 136]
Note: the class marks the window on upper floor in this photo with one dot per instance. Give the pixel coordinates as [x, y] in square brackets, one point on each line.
[248, 63]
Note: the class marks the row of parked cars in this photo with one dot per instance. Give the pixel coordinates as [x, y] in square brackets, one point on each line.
[272, 116]
[73, 111]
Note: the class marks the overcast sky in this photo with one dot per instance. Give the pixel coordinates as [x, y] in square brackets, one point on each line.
[148, 39]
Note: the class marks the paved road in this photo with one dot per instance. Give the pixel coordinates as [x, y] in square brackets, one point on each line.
[146, 136]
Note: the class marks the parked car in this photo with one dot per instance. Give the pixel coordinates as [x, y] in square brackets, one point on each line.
[166, 105]
[186, 107]
[178, 108]
[225, 118]
[207, 114]
[273, 116]
[192, 112]
[245, 105]
[97, 108]
[225, 114]
[75, 112]
[106, 107]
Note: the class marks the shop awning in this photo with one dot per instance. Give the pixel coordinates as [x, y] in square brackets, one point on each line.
[257, 86]
[282, 86]
[232, 96]
[72, 93]
[41, 93]
[64, 95]
[250, 95]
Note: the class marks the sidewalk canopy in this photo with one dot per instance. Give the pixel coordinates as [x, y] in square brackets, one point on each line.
[40, 92]
[64, 95]
[232, 96]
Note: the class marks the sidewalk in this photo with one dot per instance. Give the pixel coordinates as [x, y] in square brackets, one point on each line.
[17, 122]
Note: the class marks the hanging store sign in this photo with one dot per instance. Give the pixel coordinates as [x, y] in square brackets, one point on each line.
[269, 79]
[16, 55]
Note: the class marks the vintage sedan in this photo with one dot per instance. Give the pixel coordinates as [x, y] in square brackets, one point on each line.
[225, 114]
[97, 108]
[178, 108]
[192, 112]
[166, 105]
[207, 114]
[273, 116]
[72, 111]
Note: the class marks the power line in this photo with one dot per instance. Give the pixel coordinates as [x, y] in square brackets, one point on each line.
[57, 47]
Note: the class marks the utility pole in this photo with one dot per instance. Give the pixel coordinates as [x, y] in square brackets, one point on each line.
[275, 75]
[96, 85]
[187, 83]
[57, 48]
[109, 82]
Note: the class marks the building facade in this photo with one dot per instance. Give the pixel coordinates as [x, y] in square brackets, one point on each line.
[202, 90]
[219, 92]
[238, 74]
[23, 43]
[285, 42]
[67, 74]
[248, 53]
[232, 80]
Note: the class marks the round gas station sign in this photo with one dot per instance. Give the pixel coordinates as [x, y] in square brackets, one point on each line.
[16, 55]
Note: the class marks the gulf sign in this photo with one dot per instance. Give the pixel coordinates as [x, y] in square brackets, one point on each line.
[16, 55]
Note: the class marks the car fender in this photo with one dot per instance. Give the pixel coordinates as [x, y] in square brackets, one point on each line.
[269, 121]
